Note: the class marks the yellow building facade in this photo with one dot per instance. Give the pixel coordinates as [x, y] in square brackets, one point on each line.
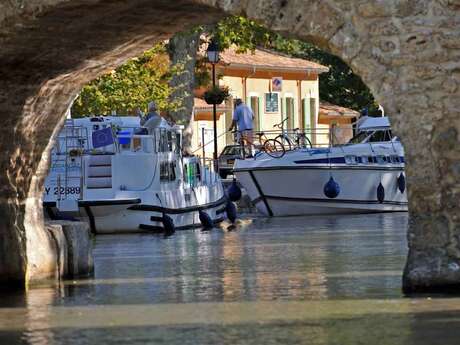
[276, 88]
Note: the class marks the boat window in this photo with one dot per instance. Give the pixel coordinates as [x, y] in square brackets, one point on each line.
[198, 171]
[171, 140]
[359, 138]
[172, 171]
[349, 159]
[164, 174]
[162, 141]
[178, 143]
[381, 159]
[192, 173]
[364, 159]
[394, 159]
[380, 136]
[167, 171]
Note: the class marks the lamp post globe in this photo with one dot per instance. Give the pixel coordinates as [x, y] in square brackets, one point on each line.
[213, 52]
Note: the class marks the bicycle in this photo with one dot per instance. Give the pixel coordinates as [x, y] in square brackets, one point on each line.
[272, 147]
[289, 142]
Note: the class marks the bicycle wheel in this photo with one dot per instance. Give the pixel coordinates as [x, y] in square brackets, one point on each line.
[274, 148]
[285, 141]
[304, 141]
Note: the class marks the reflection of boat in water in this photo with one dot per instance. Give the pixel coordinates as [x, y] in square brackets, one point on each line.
[365, 175]
[135, 182]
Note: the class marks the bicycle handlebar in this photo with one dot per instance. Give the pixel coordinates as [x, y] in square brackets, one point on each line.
[279, 125]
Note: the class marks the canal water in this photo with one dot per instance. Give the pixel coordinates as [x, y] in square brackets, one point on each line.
[296, 280]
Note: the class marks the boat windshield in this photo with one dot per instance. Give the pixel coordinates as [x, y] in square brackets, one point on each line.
[371, 137]
[359, 138]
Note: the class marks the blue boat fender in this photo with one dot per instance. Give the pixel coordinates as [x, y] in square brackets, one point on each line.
[230, 209]
[401, 183]
[380, 193]
[331, 188]
[234, 191]
[168, 225]
[205, 220]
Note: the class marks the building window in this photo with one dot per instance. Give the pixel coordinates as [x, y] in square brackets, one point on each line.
[271, 103]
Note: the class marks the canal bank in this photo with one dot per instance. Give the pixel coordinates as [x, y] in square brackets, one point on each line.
[296, 280]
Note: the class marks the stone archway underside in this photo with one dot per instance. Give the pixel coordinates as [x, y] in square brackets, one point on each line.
[407, 52]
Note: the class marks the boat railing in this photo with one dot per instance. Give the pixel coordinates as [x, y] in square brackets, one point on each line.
[138, 139]
[292, 139]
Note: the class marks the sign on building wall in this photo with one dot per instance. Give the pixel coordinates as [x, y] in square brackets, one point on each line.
[277, 84]
[271, 103]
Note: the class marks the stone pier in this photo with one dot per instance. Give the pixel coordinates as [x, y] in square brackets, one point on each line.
[406, 51]
[72, 245]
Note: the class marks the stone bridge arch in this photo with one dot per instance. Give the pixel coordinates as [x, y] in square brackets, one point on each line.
[407, 52]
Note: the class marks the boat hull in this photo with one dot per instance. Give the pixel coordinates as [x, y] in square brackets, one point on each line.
[134, 216]
[285, 191]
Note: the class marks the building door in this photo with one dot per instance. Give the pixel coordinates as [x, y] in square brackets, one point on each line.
[254, 103]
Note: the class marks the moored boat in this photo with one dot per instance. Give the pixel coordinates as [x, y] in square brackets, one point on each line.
[119, 177]
[365, 175]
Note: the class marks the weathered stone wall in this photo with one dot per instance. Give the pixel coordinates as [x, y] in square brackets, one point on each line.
[407, 51]
[47, 54]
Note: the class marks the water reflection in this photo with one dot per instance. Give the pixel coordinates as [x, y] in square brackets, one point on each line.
[333, 280]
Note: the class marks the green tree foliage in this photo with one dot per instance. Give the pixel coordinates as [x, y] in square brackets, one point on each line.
[130, 86]
[247, 35]
[339, 86]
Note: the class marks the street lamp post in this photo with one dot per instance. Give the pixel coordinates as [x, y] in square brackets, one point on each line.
[213, 58]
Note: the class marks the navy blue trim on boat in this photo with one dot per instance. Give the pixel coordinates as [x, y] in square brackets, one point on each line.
[333, 160]
[109, 202]
[83, 203]
[155, 208]
[342, 167]
[342, 160]
[261, 193]
[152, 228]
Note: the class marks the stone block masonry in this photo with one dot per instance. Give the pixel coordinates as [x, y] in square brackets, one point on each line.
[73, 249]
[406, 51]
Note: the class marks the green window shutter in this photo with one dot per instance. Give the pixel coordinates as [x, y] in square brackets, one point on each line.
[261, 118]
[254, 103]
[306, 115]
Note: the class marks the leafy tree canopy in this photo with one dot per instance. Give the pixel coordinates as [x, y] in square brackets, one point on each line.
[339, 86]
[129, 87]
[147, 77]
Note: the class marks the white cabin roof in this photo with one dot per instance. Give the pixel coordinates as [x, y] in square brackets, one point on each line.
[368, 123]
[122, 121]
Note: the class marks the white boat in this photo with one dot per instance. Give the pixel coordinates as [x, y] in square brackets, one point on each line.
[365, 175]
[139, 181]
